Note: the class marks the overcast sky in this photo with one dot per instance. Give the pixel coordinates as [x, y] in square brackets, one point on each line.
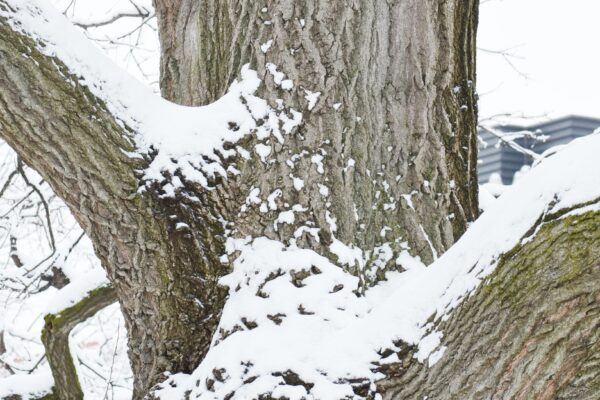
[557, 45]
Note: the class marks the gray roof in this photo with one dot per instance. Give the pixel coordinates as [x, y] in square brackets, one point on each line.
[506, 161]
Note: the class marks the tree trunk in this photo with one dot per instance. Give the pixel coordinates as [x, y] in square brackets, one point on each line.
[384, 156]
[394, 123]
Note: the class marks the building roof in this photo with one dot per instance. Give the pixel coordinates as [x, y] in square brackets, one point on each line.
[498, 158]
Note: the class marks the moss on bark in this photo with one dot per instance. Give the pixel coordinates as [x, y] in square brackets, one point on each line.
[530, 331]
[55, 338]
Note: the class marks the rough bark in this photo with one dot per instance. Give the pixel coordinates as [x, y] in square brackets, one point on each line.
[55, 337]
[19, 397]
[166, 279]
[398, 154]
[531, 331]
[403, 75]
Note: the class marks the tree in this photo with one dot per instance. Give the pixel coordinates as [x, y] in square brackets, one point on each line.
[359, 144]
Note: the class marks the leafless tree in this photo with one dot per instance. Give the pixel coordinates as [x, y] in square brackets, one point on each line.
[396, 84]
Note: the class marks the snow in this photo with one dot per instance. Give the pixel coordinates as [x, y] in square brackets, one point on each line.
[338, 335]
[311, 98]
[347, 255]
[27, 386]
[263, 151]
[491, 190]
[288, 217]
[408, 198]
[279, 77]
[75, 291]
[406, 261]
[272, 197]
[181, 133]
[317, 159]
[298, 183]
[486, 199]
[266, 46]
[427, 345]
[253, 196]
[305, 312]
[431, 247]
[323, 190]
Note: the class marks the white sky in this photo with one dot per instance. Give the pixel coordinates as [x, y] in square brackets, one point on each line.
[557, 45]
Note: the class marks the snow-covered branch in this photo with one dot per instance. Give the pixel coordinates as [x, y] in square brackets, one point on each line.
[510, 139]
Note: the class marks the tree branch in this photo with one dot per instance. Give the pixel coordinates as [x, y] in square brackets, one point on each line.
[57, 126]
[530, 331]
[55, 337]
[138, 14]
[65, 132]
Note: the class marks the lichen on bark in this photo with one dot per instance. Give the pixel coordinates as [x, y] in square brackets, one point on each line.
[55, 337]
[530, 331]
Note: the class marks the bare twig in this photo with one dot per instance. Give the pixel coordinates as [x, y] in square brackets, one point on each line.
[8, 182]
[502, 136]
[14, 253]
[113, 18]
[112, 364]
[52, 242]
[508, 55]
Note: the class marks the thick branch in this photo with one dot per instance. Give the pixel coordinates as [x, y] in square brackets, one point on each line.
[166, 278]
[55, 337]
[57, 126]
[532, 331]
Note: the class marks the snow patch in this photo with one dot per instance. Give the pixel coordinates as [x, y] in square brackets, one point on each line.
[335, 336]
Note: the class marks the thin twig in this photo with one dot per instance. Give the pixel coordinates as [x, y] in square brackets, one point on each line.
[110, 20]
[44, 203]
[112, 364]
[8, 181]
[511, 143]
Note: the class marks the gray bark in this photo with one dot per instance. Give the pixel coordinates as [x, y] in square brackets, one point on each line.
[531, 331]
[404, 73]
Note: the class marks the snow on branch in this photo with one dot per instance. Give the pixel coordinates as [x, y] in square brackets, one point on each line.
[20, 386]
[294, 326]
[510, 139]
[55, 337]
[109, 19]
[195, 137]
